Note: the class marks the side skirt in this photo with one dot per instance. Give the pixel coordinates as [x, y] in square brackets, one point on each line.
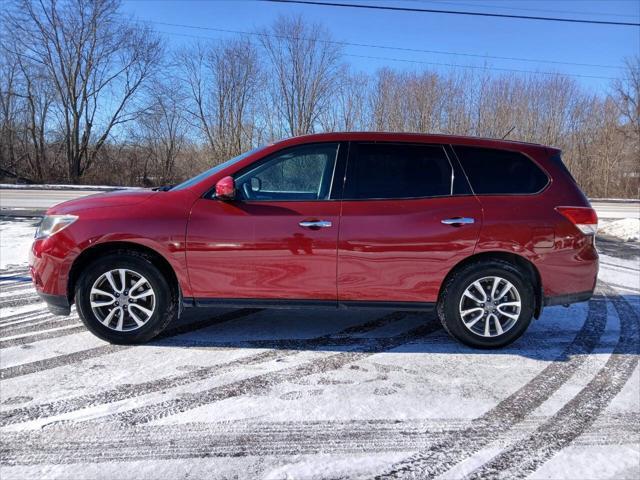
[293, 303]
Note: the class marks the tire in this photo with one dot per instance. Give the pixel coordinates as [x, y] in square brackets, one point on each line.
[162, 302]
[453, 302]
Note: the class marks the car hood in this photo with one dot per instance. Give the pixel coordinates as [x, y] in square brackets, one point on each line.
[118, 198]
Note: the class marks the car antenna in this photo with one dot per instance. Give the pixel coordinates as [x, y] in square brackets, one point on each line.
[507, 134]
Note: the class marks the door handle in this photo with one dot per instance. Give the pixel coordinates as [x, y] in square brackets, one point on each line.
[458, 221]
[315, 224]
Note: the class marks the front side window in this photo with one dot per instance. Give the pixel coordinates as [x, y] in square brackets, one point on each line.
[301, 173]
[500, 172]
[387, 171]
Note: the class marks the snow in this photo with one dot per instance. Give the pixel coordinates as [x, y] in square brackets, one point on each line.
[627, 229]
[298, 393]
[16, 238]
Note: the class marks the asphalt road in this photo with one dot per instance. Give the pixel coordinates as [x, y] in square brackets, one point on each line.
[34, 200]
[31, 199]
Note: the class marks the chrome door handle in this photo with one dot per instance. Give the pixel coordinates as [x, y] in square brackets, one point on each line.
[315, 224]
[457, 221]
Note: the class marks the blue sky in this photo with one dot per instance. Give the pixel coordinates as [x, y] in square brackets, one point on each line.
[551, 41]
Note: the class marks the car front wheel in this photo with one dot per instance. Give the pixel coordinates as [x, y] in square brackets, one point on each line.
[488, 304]
[124, 298]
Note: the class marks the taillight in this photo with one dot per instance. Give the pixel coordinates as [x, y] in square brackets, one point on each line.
[584, 218]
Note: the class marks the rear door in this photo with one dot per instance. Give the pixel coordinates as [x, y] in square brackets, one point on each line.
[408, 216]
[278, 239]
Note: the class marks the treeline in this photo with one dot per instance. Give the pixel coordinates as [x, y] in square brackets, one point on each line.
[88, 96]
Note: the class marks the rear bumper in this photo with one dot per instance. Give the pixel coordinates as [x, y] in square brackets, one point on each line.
[568, 298]
[569, 275]
[57, 304]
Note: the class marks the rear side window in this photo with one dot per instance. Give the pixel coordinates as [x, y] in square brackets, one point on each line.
[382, 170]
[498, 172]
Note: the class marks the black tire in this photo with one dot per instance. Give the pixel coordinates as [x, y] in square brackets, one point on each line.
[166, 301]
[454, 288]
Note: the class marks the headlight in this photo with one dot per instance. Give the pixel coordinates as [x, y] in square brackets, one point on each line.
[52, 224]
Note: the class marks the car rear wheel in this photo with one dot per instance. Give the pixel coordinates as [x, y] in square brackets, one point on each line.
[124, 298]
[488, 304]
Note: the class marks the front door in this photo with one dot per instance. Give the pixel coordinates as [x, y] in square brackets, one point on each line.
[408, 217]
[278, 239]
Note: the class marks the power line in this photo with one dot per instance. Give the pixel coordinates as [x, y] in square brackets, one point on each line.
[456, 12]
[478, 67]
[475, 67]
[388, 47]
[502, 7]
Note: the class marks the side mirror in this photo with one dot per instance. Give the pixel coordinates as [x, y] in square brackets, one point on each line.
[226, 188]
[256, 184]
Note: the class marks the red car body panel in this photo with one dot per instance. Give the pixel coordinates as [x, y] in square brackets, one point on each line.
[259, 250]
[386, 247]
[376, 250]
[153, 221]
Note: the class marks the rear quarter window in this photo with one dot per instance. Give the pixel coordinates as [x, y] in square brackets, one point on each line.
[500, 172]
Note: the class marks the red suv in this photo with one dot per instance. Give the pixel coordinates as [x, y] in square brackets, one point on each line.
[486, 232]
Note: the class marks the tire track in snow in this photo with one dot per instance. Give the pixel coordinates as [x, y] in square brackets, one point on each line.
[59, 361]
[37, 325]
[25, 316]
[126, 391]
[577, 415]
[442, 456]
[19, 302]
[7, 274]
[263, 382]
[15, 288]
[19, 297]
[46, 335]
[71, 358]
[265, 438]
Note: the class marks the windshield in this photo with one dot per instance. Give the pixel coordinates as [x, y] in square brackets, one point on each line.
[207, 173]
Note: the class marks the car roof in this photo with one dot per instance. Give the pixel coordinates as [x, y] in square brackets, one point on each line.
[413, 137]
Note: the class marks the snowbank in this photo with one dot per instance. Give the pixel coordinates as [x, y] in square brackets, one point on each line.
[627, 229]
[16, 238]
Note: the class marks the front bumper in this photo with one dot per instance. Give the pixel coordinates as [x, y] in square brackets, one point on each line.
[50, 262]
[57, 304]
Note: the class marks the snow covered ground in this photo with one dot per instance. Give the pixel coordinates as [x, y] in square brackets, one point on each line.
[320, 394]
[627, 229]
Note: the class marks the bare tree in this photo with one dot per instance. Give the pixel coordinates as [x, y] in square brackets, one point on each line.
[96, 63]
[223, 81]
[75, 95]
[162, 132]
[349, 109]
[304, 64]
[627, 94]
[10, 110]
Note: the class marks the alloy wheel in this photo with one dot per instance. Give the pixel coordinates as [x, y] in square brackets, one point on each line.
[490, 306]
[122, 300]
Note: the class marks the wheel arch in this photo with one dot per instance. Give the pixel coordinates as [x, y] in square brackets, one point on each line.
[90, 254]
[523, 263]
